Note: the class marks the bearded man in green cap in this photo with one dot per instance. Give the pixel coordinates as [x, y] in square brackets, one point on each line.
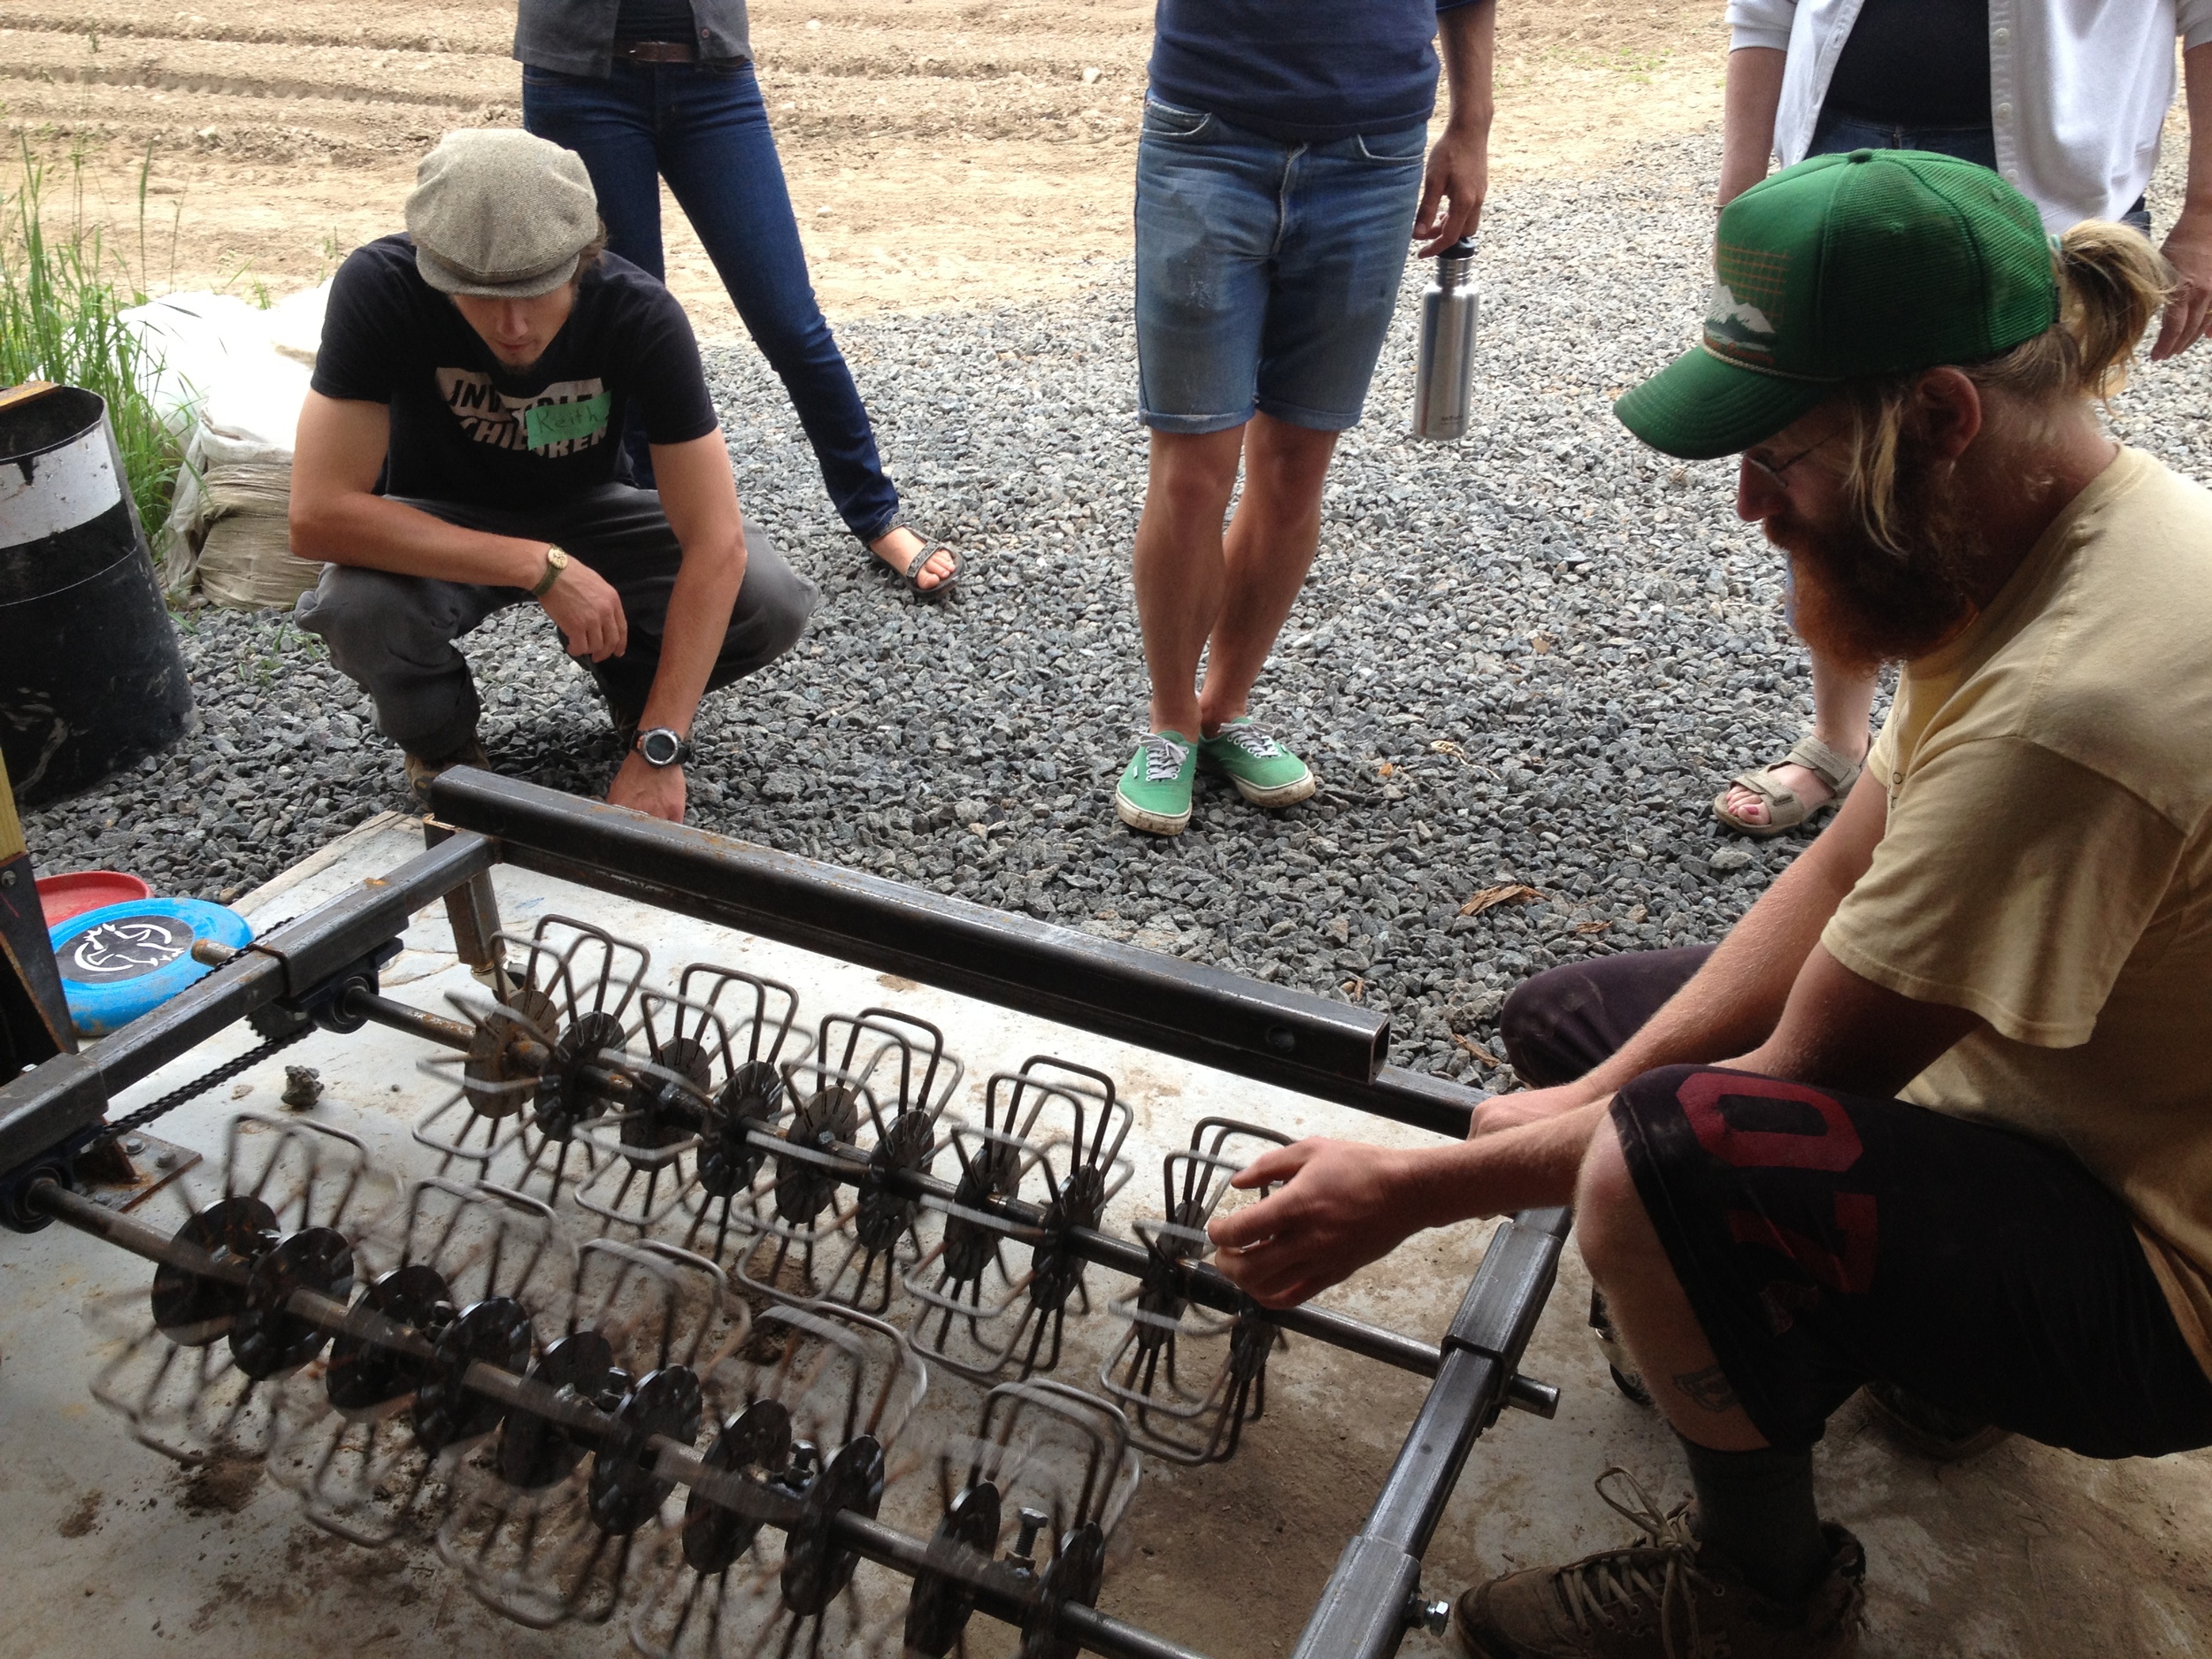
[1936, 1115]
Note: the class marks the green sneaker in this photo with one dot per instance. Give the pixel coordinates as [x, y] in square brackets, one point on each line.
[1154, 792]
[1264, 773]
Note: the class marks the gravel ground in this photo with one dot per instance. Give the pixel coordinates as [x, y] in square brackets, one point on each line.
[1528, 660]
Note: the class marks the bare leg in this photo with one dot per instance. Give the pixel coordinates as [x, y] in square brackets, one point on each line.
[1180, 572]
[1842, 704]
[1647, 1304]
[1757, 1506]
[1269, 548]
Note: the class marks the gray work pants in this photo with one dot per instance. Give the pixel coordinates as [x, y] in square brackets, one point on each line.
[393, 635]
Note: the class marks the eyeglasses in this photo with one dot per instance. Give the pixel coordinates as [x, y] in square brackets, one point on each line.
[1772, 471]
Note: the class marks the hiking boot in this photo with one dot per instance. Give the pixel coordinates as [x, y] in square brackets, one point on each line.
[1626, 1377]
[1664, 1597]
[420, 771]
[1153, 794]
[1264, 773]
[1947, 1437]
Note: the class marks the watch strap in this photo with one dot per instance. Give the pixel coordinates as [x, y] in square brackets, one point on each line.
[553, 569]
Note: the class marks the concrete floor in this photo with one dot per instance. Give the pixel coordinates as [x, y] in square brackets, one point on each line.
[2024, 1551]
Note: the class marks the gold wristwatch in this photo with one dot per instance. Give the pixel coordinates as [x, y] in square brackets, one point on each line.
[556, 562]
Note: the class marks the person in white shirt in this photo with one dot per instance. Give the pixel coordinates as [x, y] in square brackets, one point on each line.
[2065, 98]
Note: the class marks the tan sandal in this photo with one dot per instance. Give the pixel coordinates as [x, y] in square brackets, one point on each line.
[1786, 808]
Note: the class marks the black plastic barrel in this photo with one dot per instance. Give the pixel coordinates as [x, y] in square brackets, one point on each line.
[89, 675]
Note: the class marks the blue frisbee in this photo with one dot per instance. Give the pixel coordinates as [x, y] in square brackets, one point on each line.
[120, 960]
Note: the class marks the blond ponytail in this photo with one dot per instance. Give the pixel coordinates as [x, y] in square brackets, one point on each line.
[2111, 283]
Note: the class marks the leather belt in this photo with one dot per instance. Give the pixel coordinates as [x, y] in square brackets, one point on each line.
[656, 52]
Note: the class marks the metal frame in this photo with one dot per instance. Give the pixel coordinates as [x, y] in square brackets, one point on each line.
[322, 964]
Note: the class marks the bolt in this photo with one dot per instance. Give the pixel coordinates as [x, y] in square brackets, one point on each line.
[133, 1146]
[7, 878]
[1432, 1617]
[800, 1475]
[1021, 1557]
[164, 1160]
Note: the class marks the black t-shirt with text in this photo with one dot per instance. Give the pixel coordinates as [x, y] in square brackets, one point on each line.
[466, 429]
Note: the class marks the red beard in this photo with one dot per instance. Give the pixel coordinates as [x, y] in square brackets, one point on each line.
[1859, 604]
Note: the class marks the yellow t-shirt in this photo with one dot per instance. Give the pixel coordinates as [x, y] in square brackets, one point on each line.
[2047, 859]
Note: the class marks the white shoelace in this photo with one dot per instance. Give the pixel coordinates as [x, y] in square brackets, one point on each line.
[1163, 757]
[1611, 1577]
[1253, 740]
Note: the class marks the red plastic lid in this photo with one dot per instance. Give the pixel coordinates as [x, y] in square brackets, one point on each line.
[62, 896]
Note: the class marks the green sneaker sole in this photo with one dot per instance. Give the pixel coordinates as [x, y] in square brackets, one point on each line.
[1290, 794]
[1139, 817]
[1285, 795]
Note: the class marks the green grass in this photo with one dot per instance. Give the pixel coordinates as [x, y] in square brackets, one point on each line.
[62, 289]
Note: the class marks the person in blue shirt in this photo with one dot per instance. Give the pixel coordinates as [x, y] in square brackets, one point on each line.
[1280, 178]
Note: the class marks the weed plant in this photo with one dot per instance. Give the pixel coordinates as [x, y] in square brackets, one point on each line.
[63, 290]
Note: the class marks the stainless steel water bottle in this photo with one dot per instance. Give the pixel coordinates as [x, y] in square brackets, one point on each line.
[1444, 384]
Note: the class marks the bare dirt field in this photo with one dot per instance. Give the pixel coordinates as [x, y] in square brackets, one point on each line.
[940, 153]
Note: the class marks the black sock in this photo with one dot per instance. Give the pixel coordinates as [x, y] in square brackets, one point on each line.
[1757, 1509]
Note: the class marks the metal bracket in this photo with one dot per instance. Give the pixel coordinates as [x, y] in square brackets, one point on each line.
[40, 1111]
[137, 1166]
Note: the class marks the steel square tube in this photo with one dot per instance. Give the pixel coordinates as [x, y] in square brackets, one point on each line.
[43, 1108]
[1362, 1612]
[1234, 1023]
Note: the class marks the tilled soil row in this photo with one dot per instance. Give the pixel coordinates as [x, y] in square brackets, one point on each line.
[279, 100]
[941, 153]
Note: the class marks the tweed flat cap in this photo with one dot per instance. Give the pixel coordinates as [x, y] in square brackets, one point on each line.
[501, 214]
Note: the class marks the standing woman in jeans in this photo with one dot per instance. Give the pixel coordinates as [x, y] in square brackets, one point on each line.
[651, 90]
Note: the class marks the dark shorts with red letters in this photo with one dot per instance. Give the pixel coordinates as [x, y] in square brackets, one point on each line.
[1825, 1240]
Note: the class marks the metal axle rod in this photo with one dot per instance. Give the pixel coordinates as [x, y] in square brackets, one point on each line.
[999, 1592]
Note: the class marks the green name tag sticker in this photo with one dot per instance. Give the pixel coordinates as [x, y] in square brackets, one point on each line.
[548, 424]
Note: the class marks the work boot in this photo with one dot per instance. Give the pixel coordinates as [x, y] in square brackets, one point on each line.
[1664, 1597]
[420, 771]
[1947, 1437]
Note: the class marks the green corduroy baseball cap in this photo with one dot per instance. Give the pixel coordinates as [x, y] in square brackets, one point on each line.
[1878, 261]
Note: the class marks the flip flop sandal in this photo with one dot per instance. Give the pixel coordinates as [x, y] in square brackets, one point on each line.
[912, 574]
[1786, 808]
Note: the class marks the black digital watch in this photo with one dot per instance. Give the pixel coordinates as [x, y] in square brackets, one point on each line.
[661, 747]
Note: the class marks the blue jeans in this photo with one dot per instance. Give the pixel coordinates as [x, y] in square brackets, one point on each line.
[1267, 271]
[1836, 134]
[705, 130]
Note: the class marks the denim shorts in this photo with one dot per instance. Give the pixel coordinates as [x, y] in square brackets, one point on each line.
[1267, 271]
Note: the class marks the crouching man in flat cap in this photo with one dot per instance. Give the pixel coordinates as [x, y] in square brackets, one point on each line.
[1936, 1117]
[460, 452]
